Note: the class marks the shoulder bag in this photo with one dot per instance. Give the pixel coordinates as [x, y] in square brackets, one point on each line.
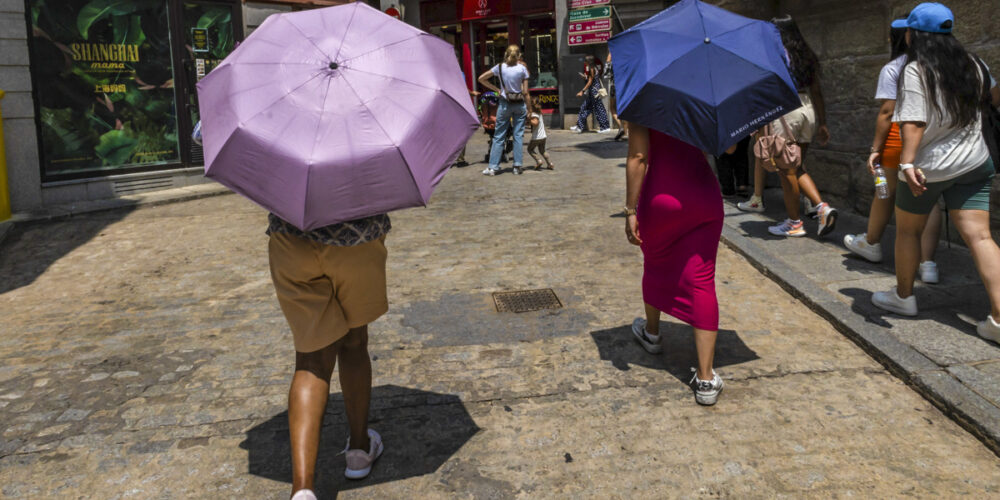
[774, 152]
[511, 96]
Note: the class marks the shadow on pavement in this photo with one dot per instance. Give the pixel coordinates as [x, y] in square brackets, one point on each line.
[421, 431]
[618, 346]
[31, 248]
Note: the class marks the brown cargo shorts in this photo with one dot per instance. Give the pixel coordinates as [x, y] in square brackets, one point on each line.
[326, 290]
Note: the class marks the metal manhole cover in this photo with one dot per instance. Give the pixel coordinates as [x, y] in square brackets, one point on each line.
[526, 300]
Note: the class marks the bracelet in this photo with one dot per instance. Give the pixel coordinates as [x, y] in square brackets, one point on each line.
[628, 211]
[873, 150]
[905, 166]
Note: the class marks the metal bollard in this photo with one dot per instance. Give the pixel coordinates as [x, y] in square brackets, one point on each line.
[4, 191]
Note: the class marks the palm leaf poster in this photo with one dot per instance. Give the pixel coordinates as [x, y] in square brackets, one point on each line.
[104, 84]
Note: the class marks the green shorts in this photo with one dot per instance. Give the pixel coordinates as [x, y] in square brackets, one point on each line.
[969, 191]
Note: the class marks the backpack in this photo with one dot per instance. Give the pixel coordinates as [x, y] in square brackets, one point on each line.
[991, 118]
[775, 152]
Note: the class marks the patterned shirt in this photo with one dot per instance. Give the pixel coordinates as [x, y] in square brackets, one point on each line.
[342, 234]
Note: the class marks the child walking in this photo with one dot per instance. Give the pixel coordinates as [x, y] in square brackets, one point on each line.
[538, 136]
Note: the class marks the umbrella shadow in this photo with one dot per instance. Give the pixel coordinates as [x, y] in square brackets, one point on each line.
[606, 150]
[618, 346]
[31, 248]
[421, 431]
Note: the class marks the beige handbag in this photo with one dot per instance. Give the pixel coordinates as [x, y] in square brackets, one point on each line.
[774, 152]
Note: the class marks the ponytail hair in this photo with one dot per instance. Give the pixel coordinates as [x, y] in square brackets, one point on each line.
[512, 55]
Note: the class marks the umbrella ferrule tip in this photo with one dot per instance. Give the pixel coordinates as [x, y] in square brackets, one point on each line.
[708, 40]
[334, 65]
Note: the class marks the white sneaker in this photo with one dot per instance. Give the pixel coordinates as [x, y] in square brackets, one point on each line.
[604, 131]
[989, 329]
[648, 341]
[928, 272]
[790, 228]
[304, 495]
[359, 462]
[892, 302]
[706, 392]
[576, 129]
[489, 171]
[754, 204]
[827, 219]
[859, 245]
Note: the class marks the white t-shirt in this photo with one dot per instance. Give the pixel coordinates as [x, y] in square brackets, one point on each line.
[538, 133]
[945, 152]
[511, 78]
[888, 79]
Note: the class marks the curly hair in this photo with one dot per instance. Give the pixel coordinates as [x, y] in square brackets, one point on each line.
[804, 62]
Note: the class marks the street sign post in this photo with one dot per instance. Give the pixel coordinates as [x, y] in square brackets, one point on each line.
[590, 26]
[589, 38]
[588, 14]
[579, 4]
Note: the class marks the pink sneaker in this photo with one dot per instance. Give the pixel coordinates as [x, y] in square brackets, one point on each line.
[359, 462]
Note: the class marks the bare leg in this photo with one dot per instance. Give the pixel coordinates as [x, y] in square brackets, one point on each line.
[652, 320]
[908, 229]
[790, 188]
[759, 179]
[704, 344]
[532, 147]
[881, 211]
[356, 382]
[306, 405]
[932, 235]
[974, 226]
[548, 160]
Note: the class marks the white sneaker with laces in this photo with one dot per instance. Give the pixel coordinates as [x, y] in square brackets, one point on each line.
[754, 204]
[989, 329]
[648, 341]
[706, 392]
[858, 244]
[576, 129]
[604, 131]
[359, 462]
[892, 302]
[928, 272]
[304, 495]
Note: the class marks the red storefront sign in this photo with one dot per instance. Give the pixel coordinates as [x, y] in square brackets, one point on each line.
[589, 38]
[393, 12]
[477, 9]
[579, 4]
[590, 26]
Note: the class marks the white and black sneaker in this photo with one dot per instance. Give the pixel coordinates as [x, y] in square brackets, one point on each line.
[648, 341]
[706, 392]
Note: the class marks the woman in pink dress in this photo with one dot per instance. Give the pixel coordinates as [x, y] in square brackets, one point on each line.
[674, 213]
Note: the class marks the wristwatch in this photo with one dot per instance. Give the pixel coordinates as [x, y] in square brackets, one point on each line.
[628, 211]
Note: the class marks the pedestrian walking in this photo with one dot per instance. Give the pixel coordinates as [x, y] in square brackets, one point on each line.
[592, 94]
[536, 147]
[734, 170]
[513, 92]
[944, 154]
[609, 74]
[885, 150]
[804, 124]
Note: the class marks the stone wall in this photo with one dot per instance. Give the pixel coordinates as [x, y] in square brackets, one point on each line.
[24, 175]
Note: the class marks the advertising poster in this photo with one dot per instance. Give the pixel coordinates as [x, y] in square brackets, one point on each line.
[104, 84]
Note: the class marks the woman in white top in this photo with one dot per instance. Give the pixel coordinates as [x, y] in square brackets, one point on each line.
[944, 154]
[885, 150]
[514, 80]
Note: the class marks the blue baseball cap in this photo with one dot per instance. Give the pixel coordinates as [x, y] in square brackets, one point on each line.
[928, 16]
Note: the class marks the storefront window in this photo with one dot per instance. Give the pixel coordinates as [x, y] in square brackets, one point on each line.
[103, 82]
[209, 38]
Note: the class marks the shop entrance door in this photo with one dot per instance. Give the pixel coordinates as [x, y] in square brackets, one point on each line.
[491, 39]
[208, 33]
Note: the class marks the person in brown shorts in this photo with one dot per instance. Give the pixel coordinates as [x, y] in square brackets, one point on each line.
[331, 284]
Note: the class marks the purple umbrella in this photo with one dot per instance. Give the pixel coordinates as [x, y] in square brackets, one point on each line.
[333, 114]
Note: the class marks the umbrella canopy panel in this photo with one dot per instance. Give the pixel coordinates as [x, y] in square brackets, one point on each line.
[334, 114]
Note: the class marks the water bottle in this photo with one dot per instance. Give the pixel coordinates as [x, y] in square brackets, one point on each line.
[881, 187]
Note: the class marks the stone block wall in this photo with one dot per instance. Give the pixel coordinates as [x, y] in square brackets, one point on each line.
[24, 176]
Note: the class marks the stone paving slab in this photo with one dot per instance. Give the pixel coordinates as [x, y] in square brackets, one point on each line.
[143, 355]
[933, 351]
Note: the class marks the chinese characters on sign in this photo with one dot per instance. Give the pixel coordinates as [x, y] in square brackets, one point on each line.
[589, 22]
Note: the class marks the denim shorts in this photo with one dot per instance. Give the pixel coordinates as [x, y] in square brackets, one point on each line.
[969, 191]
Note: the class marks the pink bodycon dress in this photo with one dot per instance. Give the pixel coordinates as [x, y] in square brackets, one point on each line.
[680, 221]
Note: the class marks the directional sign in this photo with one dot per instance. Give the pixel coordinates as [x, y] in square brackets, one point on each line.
[590, 38]
[577, 4]
[588, 14]
[590, 26]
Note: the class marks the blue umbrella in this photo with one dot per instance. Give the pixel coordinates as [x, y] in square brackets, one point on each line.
[702, 74]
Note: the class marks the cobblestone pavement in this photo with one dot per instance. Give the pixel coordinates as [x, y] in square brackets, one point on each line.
[143, 355]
